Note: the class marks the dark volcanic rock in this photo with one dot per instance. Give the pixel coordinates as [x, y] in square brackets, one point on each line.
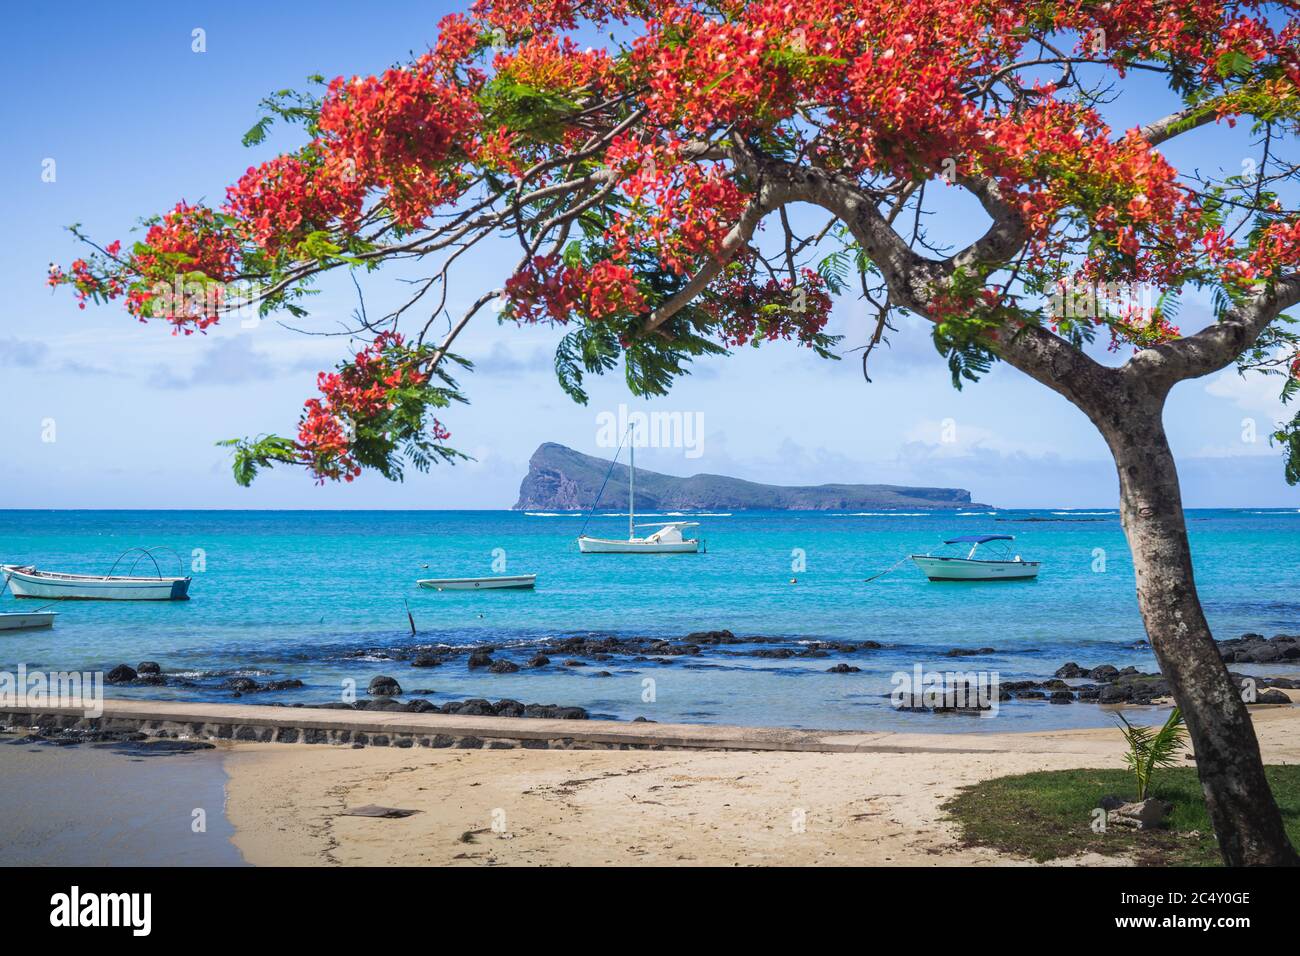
[503, 667]
[713, 637]
[959, 697]
[1020, 685]
[289, 684]
[1256, 649]
[383, 686]
[970, 651]
[1071, 670]
[148, 667]
[425, 659]
[246, 685]
[1115, 694]
[479, 658]
[843, 669]
[537, 660]
[1270, 696]
[1104, 672]
[156, 748]
[121, 674]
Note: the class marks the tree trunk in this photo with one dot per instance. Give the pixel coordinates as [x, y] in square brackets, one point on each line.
[1245, 816]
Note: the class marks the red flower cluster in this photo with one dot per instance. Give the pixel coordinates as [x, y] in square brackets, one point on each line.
[747, 310]
[547, 290]
[703, 73]
[1202, 33]
[85, 283]
[352, 397]
[681, 212]
[280, 202]
[519, 18]
[558, 65]
[402, 132]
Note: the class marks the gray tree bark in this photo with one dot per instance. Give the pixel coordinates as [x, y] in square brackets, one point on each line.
[1246, 819]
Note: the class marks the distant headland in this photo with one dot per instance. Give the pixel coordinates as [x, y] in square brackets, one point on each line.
[561, 479]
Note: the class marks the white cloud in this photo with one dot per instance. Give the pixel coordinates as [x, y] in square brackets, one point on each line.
[1252, 391]
[954, 438]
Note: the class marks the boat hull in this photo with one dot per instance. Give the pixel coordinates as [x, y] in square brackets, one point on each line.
[636, 546]
[18, 621]
[515, 582]
[50, 586]
[967, 569]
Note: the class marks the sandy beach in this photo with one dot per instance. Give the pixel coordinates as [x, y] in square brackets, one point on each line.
[667, 808]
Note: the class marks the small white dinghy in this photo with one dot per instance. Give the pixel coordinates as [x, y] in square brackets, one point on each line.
[516, 582]
[940, 567]
[18, 621]
[28, 582]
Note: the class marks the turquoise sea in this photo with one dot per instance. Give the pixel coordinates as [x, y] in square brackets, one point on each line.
[322, 597]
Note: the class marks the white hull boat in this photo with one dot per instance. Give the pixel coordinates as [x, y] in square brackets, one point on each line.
[18, 621]
[516, 582]
[970, 568]
[27, 582]
[667, 540]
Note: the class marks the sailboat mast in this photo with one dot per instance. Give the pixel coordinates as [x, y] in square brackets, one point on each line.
[631, 488]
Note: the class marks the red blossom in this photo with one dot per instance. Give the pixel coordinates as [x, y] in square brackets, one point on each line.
[401, 132]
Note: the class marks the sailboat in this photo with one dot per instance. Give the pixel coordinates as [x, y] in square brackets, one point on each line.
[667, 540]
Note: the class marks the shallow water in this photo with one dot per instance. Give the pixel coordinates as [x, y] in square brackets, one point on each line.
[299, 594]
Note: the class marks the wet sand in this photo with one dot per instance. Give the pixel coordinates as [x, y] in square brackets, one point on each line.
[89, 806]
[555, 807]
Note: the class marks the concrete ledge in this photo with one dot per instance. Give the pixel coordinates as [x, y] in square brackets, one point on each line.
[381, 728]
[250, 722]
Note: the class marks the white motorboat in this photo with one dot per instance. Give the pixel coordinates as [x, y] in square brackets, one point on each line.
[516, 581]
[18, 621]
[667, 540]
[28, 582]
[1004, 567]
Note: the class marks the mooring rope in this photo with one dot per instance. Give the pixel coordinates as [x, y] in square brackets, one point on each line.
[887, 570]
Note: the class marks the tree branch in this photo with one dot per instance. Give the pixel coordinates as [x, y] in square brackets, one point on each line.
[1216, 346]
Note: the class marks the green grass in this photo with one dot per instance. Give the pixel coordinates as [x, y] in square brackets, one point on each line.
[1048, 815]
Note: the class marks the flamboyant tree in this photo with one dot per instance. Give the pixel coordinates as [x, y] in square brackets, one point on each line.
[632, 181]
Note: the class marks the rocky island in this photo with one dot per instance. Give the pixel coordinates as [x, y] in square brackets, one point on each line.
[561, 479]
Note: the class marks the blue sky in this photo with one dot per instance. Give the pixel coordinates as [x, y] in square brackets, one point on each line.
[135, 120]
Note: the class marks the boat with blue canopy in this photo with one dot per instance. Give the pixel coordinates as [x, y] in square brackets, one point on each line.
[1000, 566]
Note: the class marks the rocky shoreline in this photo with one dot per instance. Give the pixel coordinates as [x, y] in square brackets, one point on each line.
[1070, 683]
[1103, 684]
